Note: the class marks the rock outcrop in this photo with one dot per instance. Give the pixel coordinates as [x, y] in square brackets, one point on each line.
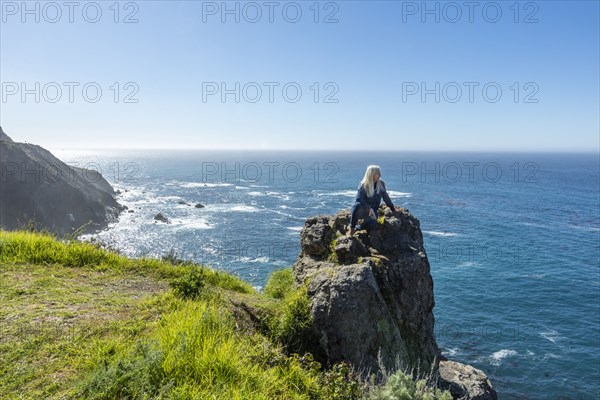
[371, 294]
[465, 382]
[37, 188]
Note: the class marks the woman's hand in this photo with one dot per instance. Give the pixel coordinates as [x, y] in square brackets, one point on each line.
[372, 213]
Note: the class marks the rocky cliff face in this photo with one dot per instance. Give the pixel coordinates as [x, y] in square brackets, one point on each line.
[372, 298]
[371, 293]
[4, 137]
[38, 188]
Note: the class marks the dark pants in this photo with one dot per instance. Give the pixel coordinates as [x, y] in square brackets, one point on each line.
[359, 211]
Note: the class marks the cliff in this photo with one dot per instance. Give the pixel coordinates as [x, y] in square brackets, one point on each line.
[372, 300]
[38, 188]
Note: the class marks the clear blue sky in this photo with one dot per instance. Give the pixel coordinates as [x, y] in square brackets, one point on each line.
[374, 61]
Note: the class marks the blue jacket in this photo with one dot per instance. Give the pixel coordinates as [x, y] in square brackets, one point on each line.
[375, 201]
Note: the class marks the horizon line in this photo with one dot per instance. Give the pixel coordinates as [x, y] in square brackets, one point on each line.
[541, 151]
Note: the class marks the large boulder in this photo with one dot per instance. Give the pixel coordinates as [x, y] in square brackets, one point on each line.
[371, 294]
[37, 188]
[371, 297]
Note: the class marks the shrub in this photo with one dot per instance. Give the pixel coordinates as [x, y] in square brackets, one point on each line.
[280, 283]
[189, 285]
[401, 386]
[340, 383]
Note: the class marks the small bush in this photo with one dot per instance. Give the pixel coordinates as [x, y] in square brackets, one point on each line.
[401, 386]
[190, 285]
[280, 283]
[340, 383]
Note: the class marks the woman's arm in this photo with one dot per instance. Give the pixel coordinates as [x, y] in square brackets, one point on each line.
[361, 196]
[386, 197]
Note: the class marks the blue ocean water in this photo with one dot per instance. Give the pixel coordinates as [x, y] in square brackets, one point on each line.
[513, 240]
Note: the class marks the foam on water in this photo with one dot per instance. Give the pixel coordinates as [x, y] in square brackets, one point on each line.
[469, 264]
[451, 352]
[497, 357]
[551, 336]
[191, 223]
[394, 193]
[244, 208]
[191, 185]
[442, 234]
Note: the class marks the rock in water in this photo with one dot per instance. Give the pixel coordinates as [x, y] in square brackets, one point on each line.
[38, 188]
[162, 218]
[465, 382]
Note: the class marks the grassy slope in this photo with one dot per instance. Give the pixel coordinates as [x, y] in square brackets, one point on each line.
[77, 321]
[55, 319]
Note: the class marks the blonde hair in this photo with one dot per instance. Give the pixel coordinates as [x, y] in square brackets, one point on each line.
[367, 180]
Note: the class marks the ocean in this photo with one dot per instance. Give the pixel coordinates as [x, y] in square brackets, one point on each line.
[513, 240]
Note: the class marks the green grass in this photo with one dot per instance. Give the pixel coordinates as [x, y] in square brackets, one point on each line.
[196, 353]
[81, 322]
[53, 320]
[280, 283]
[44, 249]
[332, 256]
[290, 324]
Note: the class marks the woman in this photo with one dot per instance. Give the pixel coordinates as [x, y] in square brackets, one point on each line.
[370, 192]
